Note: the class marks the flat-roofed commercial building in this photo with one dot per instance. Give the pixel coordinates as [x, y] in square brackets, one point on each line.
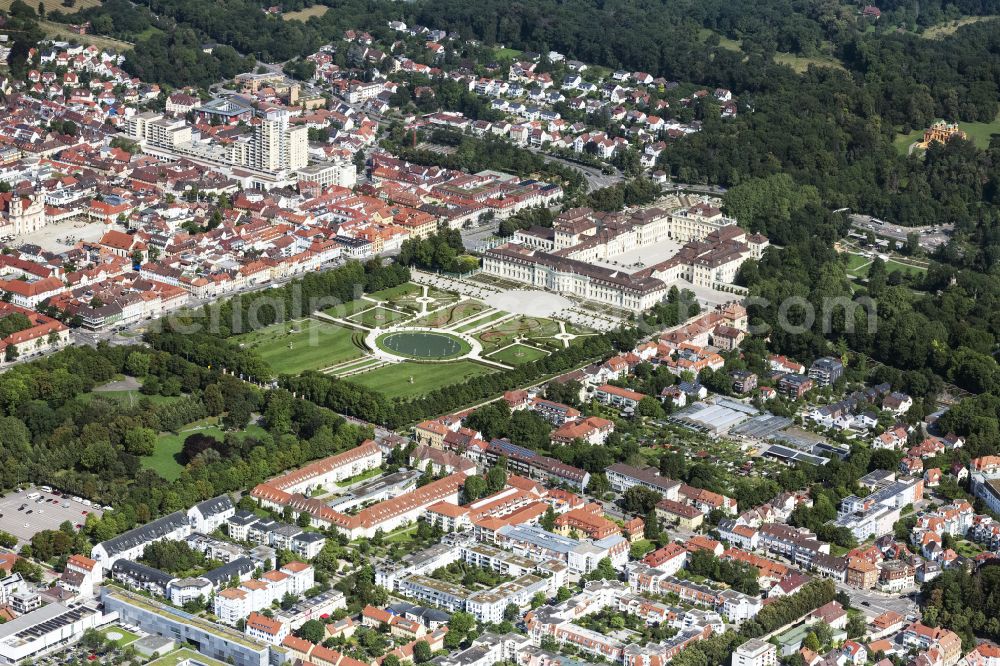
[210, 639]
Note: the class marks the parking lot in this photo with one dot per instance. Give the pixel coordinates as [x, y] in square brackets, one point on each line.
[45, 512]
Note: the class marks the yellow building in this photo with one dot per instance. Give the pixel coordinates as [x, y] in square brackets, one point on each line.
[683, 515]
[943, 132]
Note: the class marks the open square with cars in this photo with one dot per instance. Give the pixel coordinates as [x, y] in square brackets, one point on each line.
[31, 510]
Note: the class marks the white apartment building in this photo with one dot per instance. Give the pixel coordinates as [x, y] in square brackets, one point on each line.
[755, 652]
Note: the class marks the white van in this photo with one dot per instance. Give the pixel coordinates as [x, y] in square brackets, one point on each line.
[32, 496]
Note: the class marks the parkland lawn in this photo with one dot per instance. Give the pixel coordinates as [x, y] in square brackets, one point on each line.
[517, 355]
[293, 347]
[394, 381]
[165, 460]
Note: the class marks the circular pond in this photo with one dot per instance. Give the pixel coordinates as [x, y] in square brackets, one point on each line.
[423, 344]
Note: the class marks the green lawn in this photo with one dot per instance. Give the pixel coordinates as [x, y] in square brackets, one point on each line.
[504, 52]
[450, 315]
[164, 459]
[183, 655]
[891, 266]
[856, 261]
[482, 321]
[407, 380]
[291, 348]
[518, 355]
[364, 476]
[127, 636]
[132, 397]
[801, 63]
[378, 316]
[399, 291]
[504, 333]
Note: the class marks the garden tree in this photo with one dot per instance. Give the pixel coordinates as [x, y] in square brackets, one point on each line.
[548, 521]
[393, 660]
[195, 605]
[496, 477]
[877, 277]
[651, 526]
[511, 613]
[598, 485]
[811, 642]
[678, 307]
[237, 416]
[140, 441]
[213, 400]
[649, 407]
[440, 251]
[563, 593]
[474, 488]
[538, 600]
[49, 544]
[491, 420]
[422, 652]
[738, 575]
[640, 500]
[567, 392]
[278, 413]
[603, 571]
[528, 429]
[856, 625]
[172, 556]
[197, 443]
[884, 459]
[7, 540]
[28, 570]
[673, 465]
[313, 631]
[13, 323]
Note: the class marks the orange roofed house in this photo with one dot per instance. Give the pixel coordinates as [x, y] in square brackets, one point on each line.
[42, 334]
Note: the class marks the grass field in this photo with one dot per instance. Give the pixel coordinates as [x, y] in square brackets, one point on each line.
[127, 636]
[394, 381]
[801, 63]
[185, 655]
[397, 292]
[305, 14]
[855, 261]
[949, 27]
[504, 52]
[53, 5]
[164, 459]
[504, 333]
[364, 476]
[314, 344]
[452, 314]
[797, 62]
[517, 355]
[891, 266]
[378, 316]
[60, 31]
[482, 321]
[979, 133]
